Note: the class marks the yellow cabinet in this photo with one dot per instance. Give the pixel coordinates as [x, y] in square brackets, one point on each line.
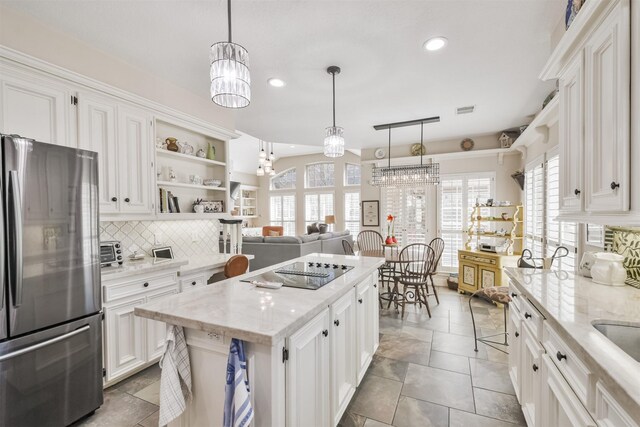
[482, 269]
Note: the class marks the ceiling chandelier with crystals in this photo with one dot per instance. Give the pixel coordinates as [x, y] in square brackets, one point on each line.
[265, 161]
[406, 175]
[334, 140]
[229, 72]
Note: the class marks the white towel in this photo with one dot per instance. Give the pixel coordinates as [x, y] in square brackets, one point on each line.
[238, 411]
[175, 381]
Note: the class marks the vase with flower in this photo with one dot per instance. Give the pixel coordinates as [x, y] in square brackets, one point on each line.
[389, 239]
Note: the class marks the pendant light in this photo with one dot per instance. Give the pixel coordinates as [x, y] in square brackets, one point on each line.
[230, 79]
[260, 171]
[407, 175]
[263, 154]
[271, 155]
[334, 141]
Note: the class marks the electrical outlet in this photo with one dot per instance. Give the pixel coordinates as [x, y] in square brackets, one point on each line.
[158, 238]
[195, 237]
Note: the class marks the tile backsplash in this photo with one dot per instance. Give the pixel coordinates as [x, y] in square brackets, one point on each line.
[626, 241]
[141, 235]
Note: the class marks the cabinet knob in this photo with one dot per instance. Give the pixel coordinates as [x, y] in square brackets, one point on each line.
[576, 192]
[114, 199]
[375, 285]
[336, 322]
[561, 356]
[517, 334]
[527, 315]
[513, 294]
[615, 185]
[325, 332]
[146, 284]
[535, 367]
[360, 300]
[127, 200]
[193, 283]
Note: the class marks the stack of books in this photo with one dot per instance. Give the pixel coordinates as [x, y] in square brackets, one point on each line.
[168, 202]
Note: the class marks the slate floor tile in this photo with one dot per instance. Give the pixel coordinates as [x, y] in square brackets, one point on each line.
[449, 362]
[376, 398]
[466, 419]
[491, 376]
[439, 386]
[413, 412]
[404, 349]
[388, 368]
[457, 344]
[501, 406]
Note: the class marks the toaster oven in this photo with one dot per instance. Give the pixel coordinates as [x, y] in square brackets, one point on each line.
[110, 253]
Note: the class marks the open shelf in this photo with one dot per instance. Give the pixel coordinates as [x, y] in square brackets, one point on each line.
[190, 215]
[189, 157]
[185, 185]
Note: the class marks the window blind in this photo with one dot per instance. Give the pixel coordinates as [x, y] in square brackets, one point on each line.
[351, 174]
[284, 180]
[534, 210]
[320, 175]
[317, 206]
[283, 212]
[408, 206]
[352, 213]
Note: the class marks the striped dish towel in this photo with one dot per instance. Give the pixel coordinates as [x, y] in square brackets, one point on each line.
[238, 411]
[175, 381]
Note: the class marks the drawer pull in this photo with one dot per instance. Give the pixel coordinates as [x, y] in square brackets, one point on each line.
[146, 284]
[615, 185]
[114, 199]
[360, 300]
[513, 294]
[535, 367]
[517, 334]
[193, 283]
[576, 192]
[127, 200]
[527, 315]
[561, 356]
[375, 285]
[325, 332]
[336, 322]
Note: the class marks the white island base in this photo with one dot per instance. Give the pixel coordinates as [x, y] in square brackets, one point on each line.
[307, 350]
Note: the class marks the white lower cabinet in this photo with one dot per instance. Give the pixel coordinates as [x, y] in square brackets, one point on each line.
[307, 376]
[366, 305]
[514, 329]
[559, 405]
[343, 354]
[132, 342]
[530, 362]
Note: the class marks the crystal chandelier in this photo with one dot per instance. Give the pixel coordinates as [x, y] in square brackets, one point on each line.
[406, 175]
[230, 79]
[334, 141]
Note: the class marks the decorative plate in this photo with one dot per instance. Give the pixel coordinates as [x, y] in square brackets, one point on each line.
[416, 148]
[466, 144]
[379, 153]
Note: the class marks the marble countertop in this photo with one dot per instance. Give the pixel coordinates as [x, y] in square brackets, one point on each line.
[571, 303]
[265, 316]
[145, 265]
[206, 262]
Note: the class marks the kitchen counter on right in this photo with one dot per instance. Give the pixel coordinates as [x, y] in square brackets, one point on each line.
[571, 304]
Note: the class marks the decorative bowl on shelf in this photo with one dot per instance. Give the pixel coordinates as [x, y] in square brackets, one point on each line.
[212, 182]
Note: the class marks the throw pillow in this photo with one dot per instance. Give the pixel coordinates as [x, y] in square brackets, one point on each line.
[273, 233]
[323, 228]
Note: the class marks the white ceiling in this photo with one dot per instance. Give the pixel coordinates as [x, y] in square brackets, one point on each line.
[495, 52]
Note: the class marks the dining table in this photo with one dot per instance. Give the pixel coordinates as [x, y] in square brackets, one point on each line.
[388, 271]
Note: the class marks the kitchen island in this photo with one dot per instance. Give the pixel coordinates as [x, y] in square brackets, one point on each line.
[307, 350]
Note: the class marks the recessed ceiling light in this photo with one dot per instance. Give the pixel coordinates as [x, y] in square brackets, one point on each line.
[292, 146]
[435, 43]
[276, 82]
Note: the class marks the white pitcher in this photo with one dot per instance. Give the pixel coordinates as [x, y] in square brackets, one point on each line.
[608, 269]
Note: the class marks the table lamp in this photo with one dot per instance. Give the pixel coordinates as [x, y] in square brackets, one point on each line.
[329, 220]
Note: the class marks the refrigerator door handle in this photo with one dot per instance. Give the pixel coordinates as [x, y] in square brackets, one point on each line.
[16, 227]
[44, 343]
[2, 243]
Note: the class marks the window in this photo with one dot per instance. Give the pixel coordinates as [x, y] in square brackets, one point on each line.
[352, 213]
[595, 235]
[543, 232]
[458, 196]
[284, 180]
[351, 174]
[283, 212]
[317, 206]
[320, 175]
[409, 207]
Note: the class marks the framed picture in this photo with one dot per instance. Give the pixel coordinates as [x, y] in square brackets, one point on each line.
[371, 213]
[215, 206]
[163, 253]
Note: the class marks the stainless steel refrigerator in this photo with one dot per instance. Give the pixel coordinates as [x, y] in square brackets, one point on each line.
[50, 320]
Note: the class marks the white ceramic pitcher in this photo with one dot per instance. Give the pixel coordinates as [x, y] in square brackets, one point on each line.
[608, 269]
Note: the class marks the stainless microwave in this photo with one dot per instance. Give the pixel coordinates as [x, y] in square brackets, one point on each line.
[110, 253]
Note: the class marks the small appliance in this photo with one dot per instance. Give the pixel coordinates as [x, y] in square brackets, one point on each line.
[110, 253]
[487, 248]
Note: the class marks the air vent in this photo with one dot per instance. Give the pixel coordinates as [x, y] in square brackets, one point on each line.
[465, 110]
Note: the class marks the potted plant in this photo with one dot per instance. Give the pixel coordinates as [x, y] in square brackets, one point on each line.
[390, 238]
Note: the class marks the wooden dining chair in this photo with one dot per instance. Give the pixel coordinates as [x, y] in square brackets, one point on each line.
[347, 248]
[416, 261]
[437, 245]
[237, 265]
[371, 241]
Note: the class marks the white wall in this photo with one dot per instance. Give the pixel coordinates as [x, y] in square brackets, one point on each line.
[27, 35]
[299, 162]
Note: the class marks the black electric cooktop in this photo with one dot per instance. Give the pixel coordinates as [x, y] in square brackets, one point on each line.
[304, 275]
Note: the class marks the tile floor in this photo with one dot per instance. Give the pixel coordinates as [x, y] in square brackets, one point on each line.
[425, 373]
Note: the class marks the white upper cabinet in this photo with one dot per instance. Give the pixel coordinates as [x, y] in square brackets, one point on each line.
[571, 110]
[134, 159]
[37, 108]
[97, 132]
[607, 112]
